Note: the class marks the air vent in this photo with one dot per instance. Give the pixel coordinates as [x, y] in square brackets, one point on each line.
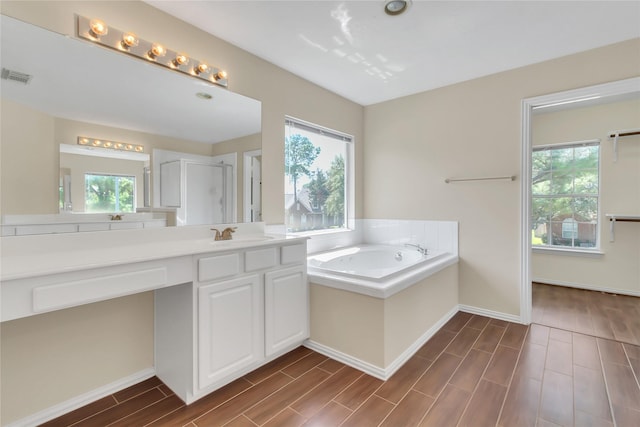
[16, 76]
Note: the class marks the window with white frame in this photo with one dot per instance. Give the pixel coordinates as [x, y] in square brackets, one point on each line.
[109, 193]
[565, 192]
[317, 175]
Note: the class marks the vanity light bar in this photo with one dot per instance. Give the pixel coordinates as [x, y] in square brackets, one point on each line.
[112, 145]
[97, 31]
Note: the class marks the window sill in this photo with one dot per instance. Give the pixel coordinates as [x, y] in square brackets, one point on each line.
[318, 233]
[589, 253]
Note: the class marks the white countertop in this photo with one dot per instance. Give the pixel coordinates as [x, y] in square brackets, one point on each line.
[39, 255]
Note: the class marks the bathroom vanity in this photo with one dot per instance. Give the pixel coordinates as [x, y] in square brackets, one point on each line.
[222, 308]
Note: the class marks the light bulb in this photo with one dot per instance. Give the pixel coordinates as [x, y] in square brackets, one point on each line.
[180, 60]
[98, 28]
[129, 40]
[157, 51]
[201, 68]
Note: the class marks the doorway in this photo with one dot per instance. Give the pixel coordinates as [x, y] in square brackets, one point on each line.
[600, 93]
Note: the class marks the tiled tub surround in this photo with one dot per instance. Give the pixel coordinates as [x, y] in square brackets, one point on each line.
[377, 326]
[222, 308]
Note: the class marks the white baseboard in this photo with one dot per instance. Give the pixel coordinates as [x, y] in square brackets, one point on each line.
[376, 371]
[490, 313]
[587, 287]
[82, 400]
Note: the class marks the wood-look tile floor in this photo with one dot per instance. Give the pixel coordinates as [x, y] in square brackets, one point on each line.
[475, 372]
[604, 315]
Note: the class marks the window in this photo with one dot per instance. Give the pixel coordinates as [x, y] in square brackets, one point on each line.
[109, 193]
[316, 177]
[565, 188]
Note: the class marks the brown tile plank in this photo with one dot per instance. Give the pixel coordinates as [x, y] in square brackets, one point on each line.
[409, 411]
[276, 365]
[286, 418]
[582, 419]
[590, 393]
[538, 334]
[478, 322]
[436, 345]
[633, 351]
[489, 338]
[448, 408]
[359, 391]
[560, 357]
[82, 413]
[622, 386]
[514, 335]
[185, 413]
[150, 413]
[626, 417]
[521, 404]
[470, 370]
[331, 415]
[248, 398]
[461, 344]
[304, 365]
[502, 364]
[438, 374]
[498, 322]
[612, 351]
[240, 421]
[560, 335]
[371, 413]
[397, 386]
[124, 409]
[585, 352]
[532, 360]
[331, 366]
[556, 403]
[457, 322]
[166, 390]
[311, 403]
[282, 398]
[484, 407]
[137, 389]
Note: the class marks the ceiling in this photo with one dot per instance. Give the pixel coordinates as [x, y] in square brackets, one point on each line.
[354, 49]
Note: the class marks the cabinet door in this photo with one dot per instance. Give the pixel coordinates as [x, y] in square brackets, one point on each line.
[230, 328]
[286, 308]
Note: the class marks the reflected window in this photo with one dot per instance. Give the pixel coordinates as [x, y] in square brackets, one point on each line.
[565, 188]
[317, 172]
[109, 193]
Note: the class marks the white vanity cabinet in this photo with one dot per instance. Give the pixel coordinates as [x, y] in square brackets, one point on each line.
[244, 308]
[230, 320]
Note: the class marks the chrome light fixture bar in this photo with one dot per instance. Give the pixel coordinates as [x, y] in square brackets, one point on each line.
[113, 145]
[97, 31]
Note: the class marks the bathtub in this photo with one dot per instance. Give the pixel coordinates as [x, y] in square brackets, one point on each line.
[375, 270]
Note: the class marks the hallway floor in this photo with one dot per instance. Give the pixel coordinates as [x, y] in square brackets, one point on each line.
[475, 372]
[604, 315]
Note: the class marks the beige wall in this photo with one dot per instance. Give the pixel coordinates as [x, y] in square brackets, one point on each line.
[27, 138]
[280, 92]
[53, 357]
[472, 129]
[619, 268]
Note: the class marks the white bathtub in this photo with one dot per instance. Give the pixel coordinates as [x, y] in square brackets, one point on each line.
[375, 270]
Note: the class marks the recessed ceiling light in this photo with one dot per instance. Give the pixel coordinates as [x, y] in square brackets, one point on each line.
[203, 95]
[396, 7]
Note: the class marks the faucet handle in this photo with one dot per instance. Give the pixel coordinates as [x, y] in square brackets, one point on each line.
[218, 235]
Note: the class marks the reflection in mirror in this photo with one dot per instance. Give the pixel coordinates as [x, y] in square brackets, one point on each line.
[74, 88]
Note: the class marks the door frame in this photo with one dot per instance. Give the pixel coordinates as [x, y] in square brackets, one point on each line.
[611, 89]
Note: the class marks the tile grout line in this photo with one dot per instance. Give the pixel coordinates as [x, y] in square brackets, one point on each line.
[606, 384]
[485, 370]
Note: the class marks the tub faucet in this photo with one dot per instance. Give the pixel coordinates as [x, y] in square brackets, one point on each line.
[423, 251]
[225, 234]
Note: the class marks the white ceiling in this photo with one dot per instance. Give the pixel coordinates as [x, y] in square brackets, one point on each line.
[353, 49]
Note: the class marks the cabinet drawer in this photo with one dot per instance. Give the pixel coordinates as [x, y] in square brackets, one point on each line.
[293, 254]
[260, 259]
[218, 266]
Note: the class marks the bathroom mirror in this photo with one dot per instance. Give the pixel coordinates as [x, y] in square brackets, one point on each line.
[56, 88]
